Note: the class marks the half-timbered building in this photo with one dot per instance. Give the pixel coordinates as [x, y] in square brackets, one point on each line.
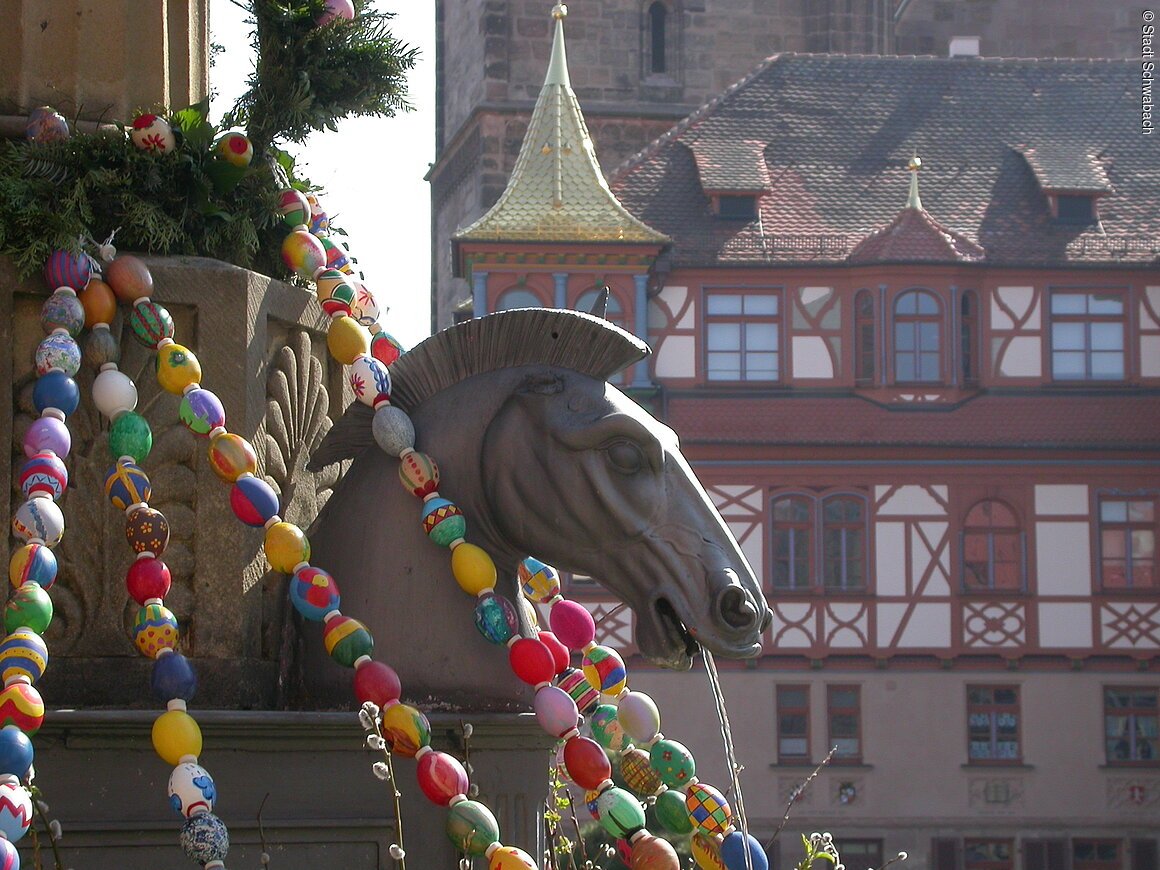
[905, 315]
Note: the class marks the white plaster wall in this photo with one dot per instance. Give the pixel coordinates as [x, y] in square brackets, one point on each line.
[1022, 358]
[1021, 301]
[890, 551]
[811, 358]
[676, 357]
[1052, 499]
[1065, 624]
[911, 501]
[1063, 558]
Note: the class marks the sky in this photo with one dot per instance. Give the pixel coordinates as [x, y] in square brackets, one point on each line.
[371, 169]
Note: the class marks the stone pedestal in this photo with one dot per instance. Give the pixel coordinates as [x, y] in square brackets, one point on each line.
[101, 60]
[296, 785]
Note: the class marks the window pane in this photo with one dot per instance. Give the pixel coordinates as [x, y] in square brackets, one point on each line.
[979, 695]
[1112, 544]
[1105, 304]
[760, 366]
[904, 368]
[1068, 366]
[1108, 365]
[1107, 336]
[904, 336]
[792, 724]
[843, 725]
[928, 366]
[760, 305]
[791, 510]
[1114, 511]
[1068, 303]
[1006, 697]
[1068, 336]
[926, 304]
[760, 336]
[907, 303]
[517, 299]
[1143, 545]
[725, 367]
[847, 746]
[723, 336]
[928, 336]
[1140, 511]
[792, 697]
[791, 747]
[723, 303]
[843, 697]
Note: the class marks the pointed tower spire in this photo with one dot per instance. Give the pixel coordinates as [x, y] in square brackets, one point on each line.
[556, 191]
[913, 201]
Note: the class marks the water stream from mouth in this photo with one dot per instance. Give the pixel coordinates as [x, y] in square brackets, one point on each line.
[730, 755]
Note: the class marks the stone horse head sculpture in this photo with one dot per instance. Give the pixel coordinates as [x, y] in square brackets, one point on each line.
[544, 458]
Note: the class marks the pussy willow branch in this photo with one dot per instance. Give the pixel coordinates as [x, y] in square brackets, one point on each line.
[798, 792]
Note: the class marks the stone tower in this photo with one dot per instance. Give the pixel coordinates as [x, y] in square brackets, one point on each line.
[639, 66]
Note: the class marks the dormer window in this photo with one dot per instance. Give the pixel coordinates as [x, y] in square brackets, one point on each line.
[1075, 208]
[737, 206]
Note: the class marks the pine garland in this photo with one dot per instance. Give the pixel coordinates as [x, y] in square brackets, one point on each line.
[307, 77]
[55, 194]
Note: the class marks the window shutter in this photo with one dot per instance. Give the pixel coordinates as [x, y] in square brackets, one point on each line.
[945, 854]
[1144, 855]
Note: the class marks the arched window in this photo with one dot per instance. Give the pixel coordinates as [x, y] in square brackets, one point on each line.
[864, 345]
[792, 524]
[657, 21]
[843, 542]
[969, 338]
[992, 548]
[917, 338]
[517, 298]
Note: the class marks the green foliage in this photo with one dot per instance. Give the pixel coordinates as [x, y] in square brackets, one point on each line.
[54, 194]
[307, 78]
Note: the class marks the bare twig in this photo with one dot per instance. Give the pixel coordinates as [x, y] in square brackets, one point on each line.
[797, 793]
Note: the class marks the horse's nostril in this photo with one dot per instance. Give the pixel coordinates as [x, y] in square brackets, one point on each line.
[736, 607]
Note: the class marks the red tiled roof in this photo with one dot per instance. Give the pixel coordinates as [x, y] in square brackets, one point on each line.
[915, 236]
[1123, 421]
[838, 132]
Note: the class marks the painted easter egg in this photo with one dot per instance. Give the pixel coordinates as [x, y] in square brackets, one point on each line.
[153, 133]
[22, 706]
[336, 10]
[58, 352]
[154, 629]
[56, 390]
[23, 655]
[147, 531]
[147, 577]
[385, 348]
[471, 827]
[286, 547]
[16, 752]
[15, 808]
[511, 858]
[606, 728]
[673, 762]
[605, 670]
[177, 368]
[314, 593]
[706, 852]
[43, 473]
[32, 563]
[130, 278]
[576, 684]
[302, 253]
[638, 773]
[346, 640]
[231, 456]
[62, 310]
[191, 790]
[406, 729]
[45, 124]
[127, 483]
[733, 849]
[496, 618]
[205, 838]
[175, 735]
[370, 381]
[29, 607]
[151, 323]
[621, 814]
[441, 777]
[66, 269]
[130, 436]
[234, 148]
[708, 808]
[672, 812]
[293, 207]
[253, 501]
[443, 522]
[539, 582]
[201, 411]
[39, 519]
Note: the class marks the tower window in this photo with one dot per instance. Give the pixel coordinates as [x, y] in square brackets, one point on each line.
[657, 20]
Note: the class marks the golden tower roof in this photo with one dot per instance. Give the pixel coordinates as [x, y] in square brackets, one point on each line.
[556, 191]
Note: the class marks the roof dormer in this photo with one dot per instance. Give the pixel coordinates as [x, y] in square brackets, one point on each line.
[1071, 178]
[733, 174]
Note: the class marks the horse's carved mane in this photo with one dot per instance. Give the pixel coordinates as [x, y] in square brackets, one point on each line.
[507, 339]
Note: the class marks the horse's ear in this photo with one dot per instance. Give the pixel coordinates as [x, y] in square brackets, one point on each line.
[600, 304]
[347, 438]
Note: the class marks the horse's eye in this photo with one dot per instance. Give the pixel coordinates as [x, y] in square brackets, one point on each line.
[625, 456]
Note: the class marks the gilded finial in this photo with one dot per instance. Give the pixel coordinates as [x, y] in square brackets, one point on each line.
[559, 11]
[915, 164]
